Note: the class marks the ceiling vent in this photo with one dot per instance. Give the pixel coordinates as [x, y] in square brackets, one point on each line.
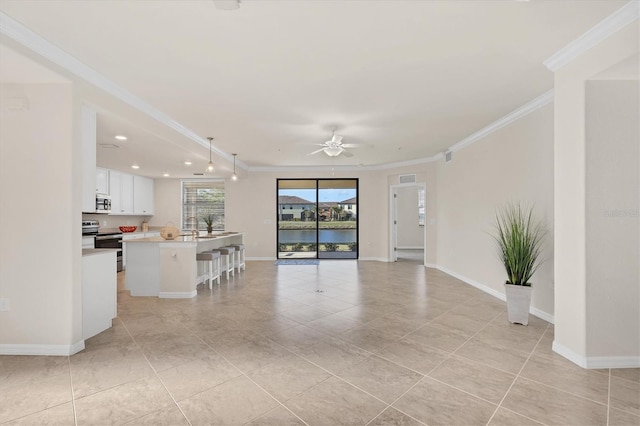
[226, 4]
[407, 178]
[18, 103]
[198, 174]
[448, 156]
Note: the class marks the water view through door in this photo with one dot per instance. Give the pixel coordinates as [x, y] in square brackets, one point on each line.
[318, 218]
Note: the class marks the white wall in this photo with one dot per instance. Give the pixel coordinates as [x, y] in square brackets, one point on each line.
[40, 194]
[514, 163]
[613, 223]
[410, 234]
[570, 337]
[251, 207]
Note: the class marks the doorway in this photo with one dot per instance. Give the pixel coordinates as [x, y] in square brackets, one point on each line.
[408, 223]
[317, 218]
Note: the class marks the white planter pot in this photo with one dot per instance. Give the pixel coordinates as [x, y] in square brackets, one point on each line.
[518, 303]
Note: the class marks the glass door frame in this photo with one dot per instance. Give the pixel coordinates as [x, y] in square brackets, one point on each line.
[317, 215]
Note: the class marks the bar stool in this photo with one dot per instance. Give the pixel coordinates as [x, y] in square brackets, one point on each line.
[239, 256]
[213, 262]
[226, 253]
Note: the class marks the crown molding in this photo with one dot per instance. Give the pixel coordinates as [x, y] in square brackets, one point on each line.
[604, 29]
[306, 168]
[24, 36]
[528, 108]
[346, 168]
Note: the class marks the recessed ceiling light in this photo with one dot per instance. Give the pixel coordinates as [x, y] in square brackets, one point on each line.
[121, 137]
[165, 174]
[188, 163]
[135, 166]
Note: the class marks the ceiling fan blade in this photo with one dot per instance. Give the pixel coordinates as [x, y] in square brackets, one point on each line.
[351, 145]
[315, 152]
[347, 154]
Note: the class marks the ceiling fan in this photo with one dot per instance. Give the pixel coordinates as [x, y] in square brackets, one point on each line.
[335, 147]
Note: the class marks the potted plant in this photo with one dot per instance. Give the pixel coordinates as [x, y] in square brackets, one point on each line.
[208, 219]
[520, 237]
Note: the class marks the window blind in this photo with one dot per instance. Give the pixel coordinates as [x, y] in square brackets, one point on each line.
[201, 199]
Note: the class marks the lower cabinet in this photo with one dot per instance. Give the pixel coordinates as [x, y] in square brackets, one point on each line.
[134, 236]
[99, 292]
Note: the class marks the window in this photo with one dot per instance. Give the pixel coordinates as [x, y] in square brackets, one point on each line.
[421, 207]
[201, 199]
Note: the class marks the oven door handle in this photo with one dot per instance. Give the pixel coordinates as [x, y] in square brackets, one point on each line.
[108, 237]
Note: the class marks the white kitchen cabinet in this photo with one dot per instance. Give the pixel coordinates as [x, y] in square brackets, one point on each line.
[88, 135]
[143, 195]
[102, 181]
[121, 191]
[99, 291]
[134, 236]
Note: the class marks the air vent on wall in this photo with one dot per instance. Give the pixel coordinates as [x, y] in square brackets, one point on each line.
[448, 156]
[407, 178]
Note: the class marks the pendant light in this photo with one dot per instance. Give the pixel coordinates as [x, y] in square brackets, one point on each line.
[234, 176]
[210, 168]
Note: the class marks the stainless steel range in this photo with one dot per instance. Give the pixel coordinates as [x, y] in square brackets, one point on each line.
[105, 238]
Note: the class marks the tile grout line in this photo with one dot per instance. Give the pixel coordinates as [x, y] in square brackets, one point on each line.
[609, 399]
[73, 395]
[156, 374]
[435, 367]
[517, 376]
[243, 373]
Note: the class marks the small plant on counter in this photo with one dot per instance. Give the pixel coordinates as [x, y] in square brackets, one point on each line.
[208, 219]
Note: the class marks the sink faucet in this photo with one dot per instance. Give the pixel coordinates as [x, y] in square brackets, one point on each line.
[194, 231]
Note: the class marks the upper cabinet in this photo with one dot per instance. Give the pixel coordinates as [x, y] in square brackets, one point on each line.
[143, 196]
[130, 195]
[121, 191]
[88, 135]
[102, 181]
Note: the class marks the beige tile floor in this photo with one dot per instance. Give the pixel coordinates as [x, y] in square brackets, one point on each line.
[381, 344]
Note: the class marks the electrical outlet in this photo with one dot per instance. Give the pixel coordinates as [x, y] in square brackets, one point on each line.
[4, 305]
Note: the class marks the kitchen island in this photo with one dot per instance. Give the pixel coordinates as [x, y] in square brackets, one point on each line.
[168, 268]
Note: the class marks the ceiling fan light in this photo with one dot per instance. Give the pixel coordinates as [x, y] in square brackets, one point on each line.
[333, 151]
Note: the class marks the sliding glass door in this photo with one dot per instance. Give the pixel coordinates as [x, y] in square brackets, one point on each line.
[317, 218]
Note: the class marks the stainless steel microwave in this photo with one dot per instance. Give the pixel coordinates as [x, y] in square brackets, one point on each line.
[103, 203]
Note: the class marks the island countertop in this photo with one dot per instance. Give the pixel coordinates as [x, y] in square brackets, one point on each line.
[186, 238]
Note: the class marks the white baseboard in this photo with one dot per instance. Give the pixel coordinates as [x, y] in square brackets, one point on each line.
[431, 265]
[376, 259]
[533, 311]
[542, 315]
[177, 294]
[613, 362]
[410, 248]
[596, 362]
[569, 354]
[259, 259]
[52, 350]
